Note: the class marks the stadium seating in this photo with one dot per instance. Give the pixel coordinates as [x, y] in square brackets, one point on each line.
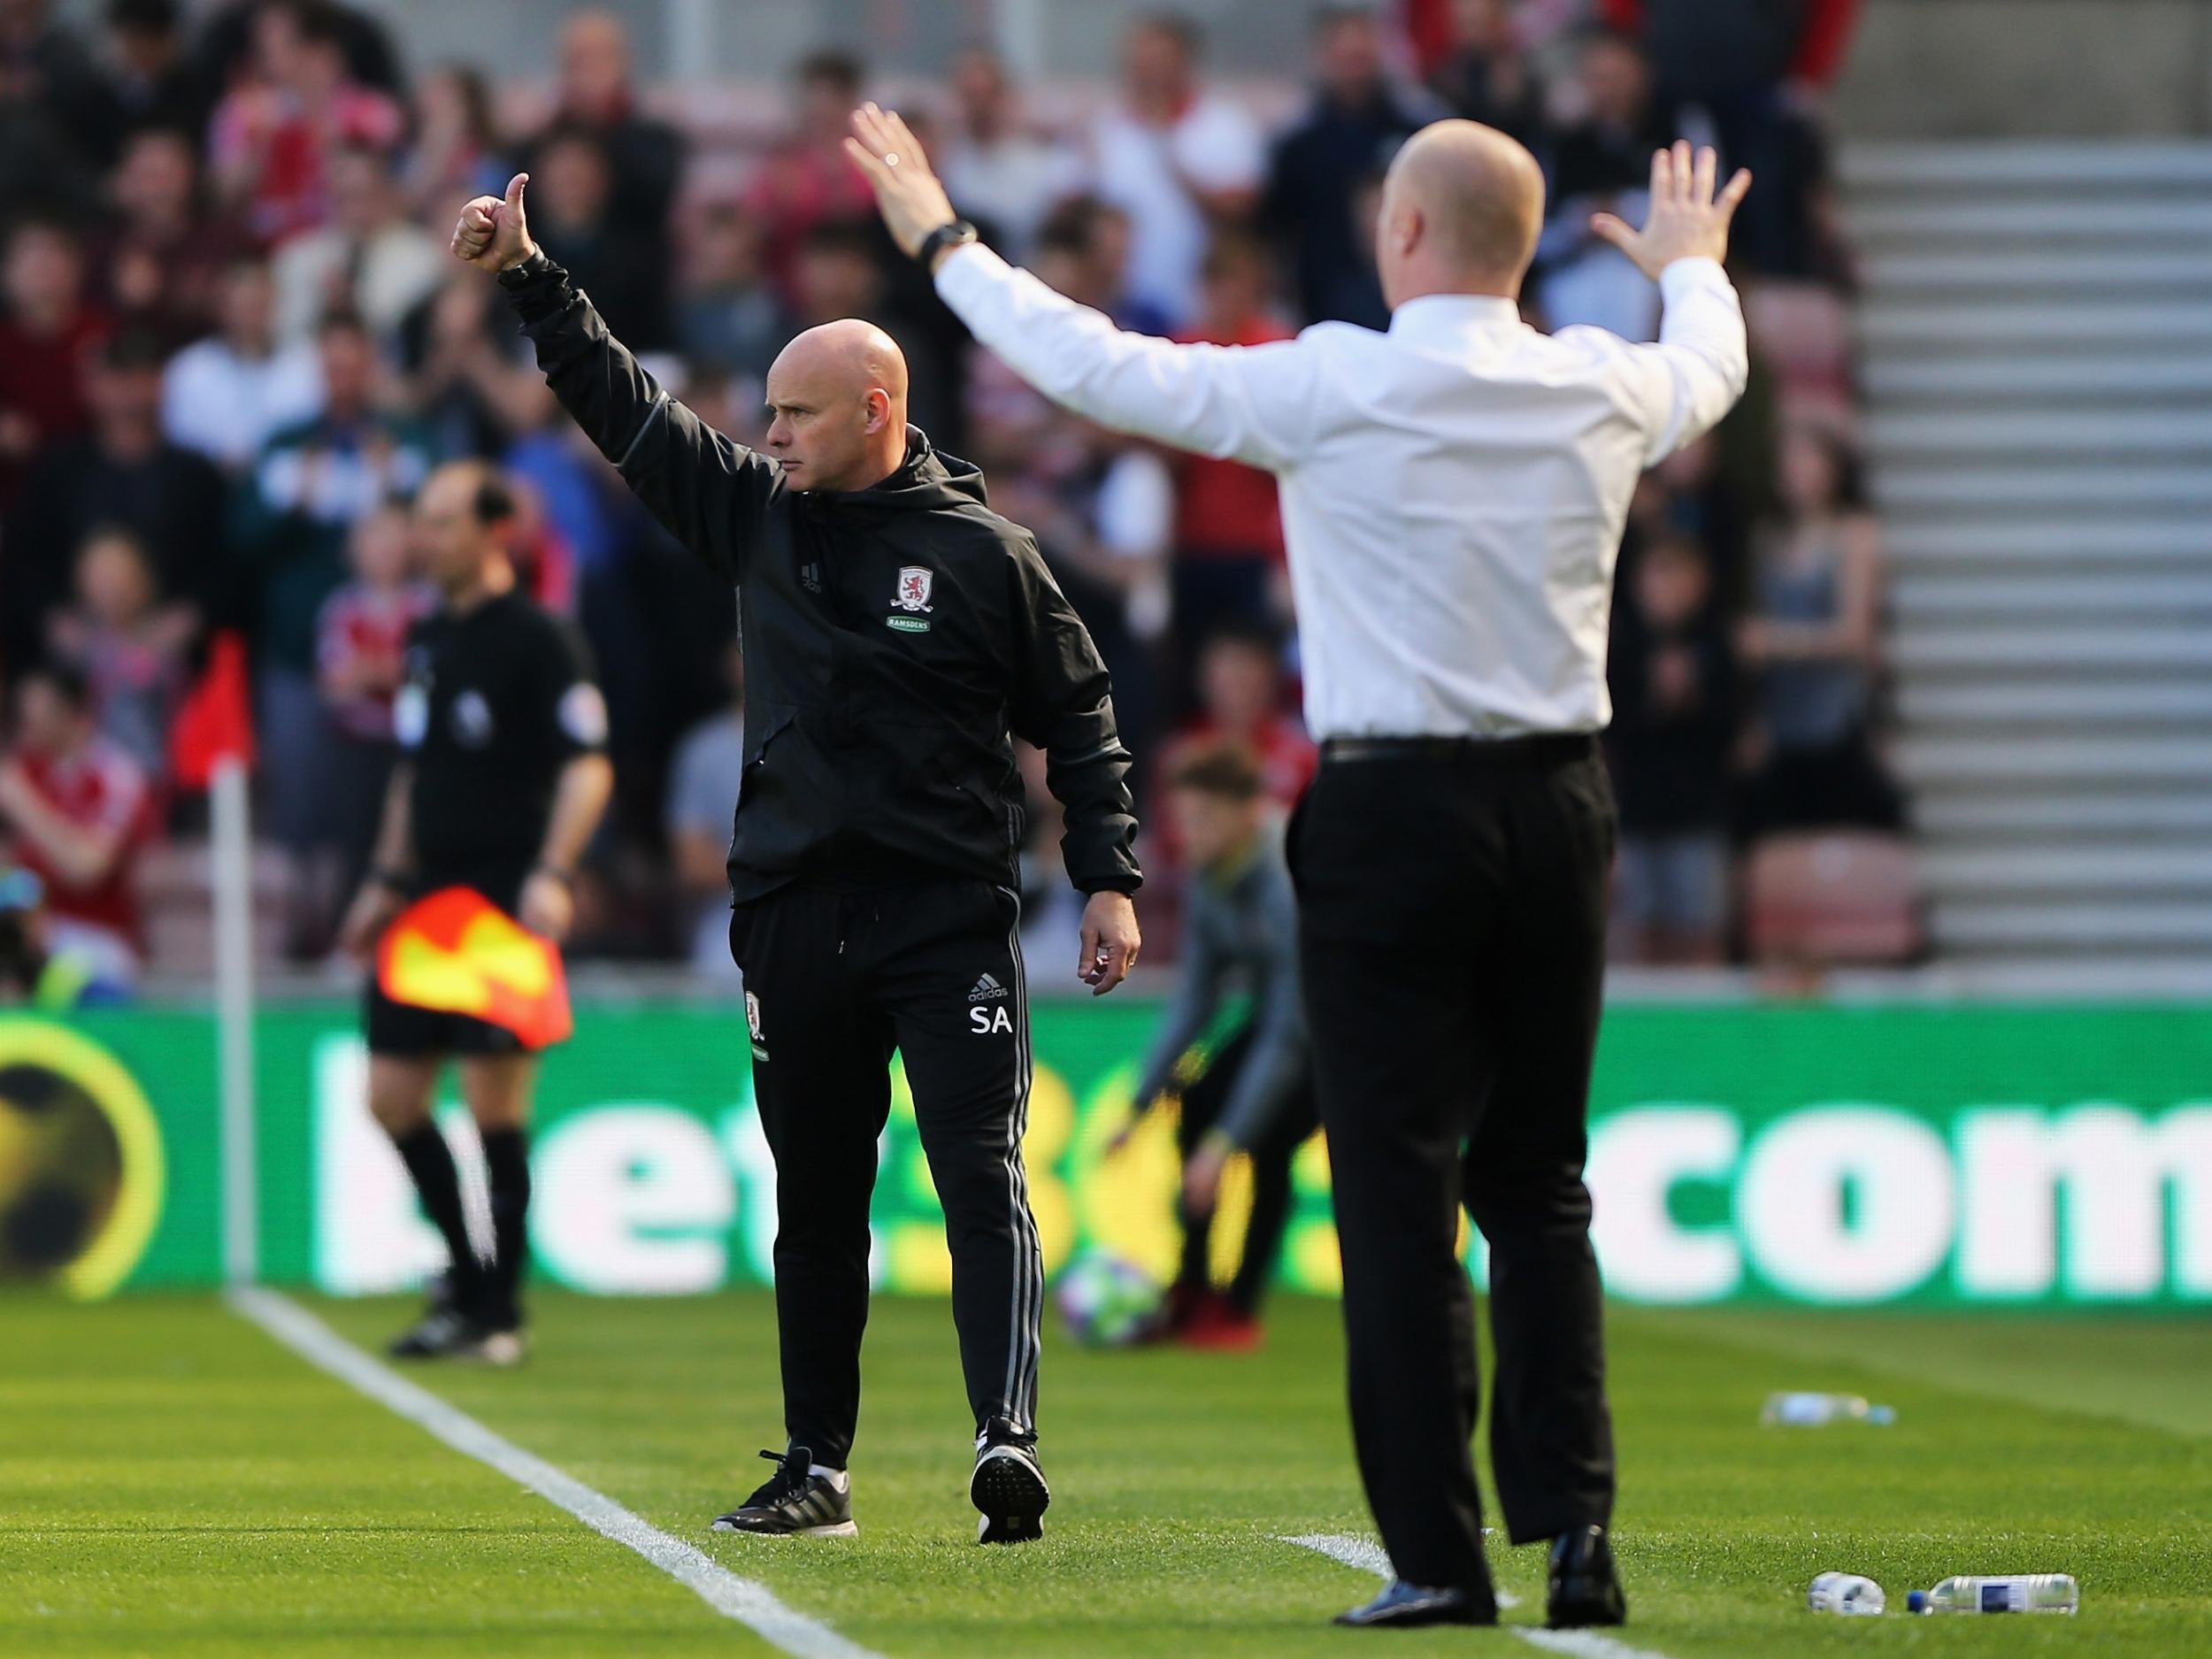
[2037, 351]
[176, 890]
[1837, 897]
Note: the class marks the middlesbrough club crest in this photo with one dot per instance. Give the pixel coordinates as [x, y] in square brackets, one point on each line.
[752, 1019]
[913, 593]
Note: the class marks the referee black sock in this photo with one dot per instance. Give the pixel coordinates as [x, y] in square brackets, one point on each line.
[438, 1183]
[507, 1170]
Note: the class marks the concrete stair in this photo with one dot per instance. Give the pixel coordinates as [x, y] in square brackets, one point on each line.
[2035, 339]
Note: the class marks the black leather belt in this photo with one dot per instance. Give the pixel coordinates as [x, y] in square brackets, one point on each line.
[1550, 748]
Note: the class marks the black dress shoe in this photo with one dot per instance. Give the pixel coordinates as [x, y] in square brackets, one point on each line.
[1405, 1606]
[1584, 1588]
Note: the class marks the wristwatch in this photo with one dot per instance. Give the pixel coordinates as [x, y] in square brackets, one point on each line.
[955, 234]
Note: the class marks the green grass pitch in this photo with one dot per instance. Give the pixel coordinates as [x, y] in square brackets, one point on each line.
[174, 1484]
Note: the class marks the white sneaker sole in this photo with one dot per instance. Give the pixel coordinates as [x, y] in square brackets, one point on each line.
[840, 1529]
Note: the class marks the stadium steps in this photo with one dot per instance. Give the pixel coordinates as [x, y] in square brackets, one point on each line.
[2035, 335]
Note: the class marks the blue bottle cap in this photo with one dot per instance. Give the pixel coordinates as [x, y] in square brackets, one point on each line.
[1916, 1602]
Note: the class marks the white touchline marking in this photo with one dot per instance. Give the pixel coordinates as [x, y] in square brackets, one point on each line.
[750, 1604]
[1367, 1555]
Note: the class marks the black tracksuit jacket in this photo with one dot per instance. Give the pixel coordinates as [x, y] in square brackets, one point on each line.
[893, 637]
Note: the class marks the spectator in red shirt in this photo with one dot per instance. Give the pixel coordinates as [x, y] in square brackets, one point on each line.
[271, 136]
[76, 811]
[46, 333]
[360, 651]
[807, 181]
[1244, 699]
[1228, 564]
[361, 633]
[132, 647]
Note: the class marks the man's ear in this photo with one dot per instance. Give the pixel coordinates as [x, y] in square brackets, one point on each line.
[879, 402]
[1409, 230]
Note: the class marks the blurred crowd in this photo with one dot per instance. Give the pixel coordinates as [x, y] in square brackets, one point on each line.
[232, 344]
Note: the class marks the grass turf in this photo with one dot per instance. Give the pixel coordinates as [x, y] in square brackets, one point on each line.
[171, 1483]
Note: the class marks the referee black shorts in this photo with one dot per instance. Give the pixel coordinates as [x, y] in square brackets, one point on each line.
[414, 1033]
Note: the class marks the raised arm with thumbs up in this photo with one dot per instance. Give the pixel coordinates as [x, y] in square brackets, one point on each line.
[493, 232]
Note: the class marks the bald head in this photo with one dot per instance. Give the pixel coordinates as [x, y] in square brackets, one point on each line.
[1461, 212]
[849, 354]
[837, 396]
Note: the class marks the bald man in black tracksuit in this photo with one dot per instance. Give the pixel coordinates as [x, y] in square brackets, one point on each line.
[895, 631]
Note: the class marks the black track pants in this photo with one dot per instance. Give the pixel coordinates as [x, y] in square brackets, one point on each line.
[835, 981]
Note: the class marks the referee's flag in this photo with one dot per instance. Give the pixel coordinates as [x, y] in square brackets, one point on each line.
[458, 953]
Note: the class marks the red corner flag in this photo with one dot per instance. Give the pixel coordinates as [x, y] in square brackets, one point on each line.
[458, 953]
[216, 718]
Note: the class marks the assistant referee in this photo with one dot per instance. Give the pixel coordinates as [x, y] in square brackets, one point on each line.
[1454, 492]
[897, 633]
[502, 780]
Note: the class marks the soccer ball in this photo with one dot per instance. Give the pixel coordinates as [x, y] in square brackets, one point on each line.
[1108, 1302]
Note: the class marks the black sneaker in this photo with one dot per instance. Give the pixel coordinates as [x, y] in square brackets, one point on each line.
[1008, 1487]
[446, 1333]
[794, 1502]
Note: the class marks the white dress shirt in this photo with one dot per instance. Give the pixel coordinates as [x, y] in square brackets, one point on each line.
[1453, 491]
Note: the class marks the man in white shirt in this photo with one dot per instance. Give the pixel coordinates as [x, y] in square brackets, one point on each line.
[229, 393]
[1454, 492]
[997, 171]
[1174, 157]
[371, 258]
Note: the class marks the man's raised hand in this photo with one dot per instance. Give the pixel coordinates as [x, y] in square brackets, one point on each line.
[1686, 221]
[493, 232]
[912, 201]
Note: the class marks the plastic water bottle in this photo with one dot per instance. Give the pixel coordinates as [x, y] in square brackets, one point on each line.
[2016, 1593]
[1812, 1411]
[1844, 1593]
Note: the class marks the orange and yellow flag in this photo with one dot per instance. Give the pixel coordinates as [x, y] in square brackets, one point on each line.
[458, 953]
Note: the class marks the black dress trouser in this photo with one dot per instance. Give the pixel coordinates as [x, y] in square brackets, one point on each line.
[834, 982]
[1272, 1158]
[1451, 935]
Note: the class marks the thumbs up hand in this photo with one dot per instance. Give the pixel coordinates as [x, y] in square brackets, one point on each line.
[493, 232]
